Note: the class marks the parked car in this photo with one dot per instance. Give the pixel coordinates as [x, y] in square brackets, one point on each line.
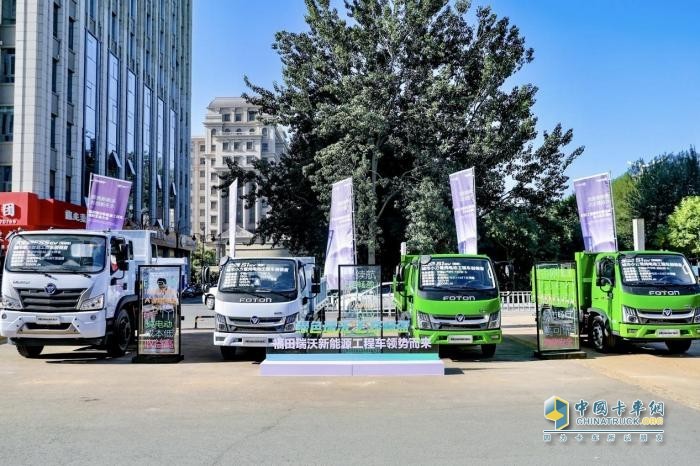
[191, 291]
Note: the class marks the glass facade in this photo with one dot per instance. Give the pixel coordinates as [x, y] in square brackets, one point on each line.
[172, 186]
[160, 140]
[90, 103]
[130, 165]
[113, 158]
[147, 163]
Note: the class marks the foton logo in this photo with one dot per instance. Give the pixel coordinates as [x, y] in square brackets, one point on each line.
[664, 293]
[459, 298]
[255, 300]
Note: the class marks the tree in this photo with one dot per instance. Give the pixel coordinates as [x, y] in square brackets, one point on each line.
[684, 226]
[622, 187]
[398, 96]
[660, 186]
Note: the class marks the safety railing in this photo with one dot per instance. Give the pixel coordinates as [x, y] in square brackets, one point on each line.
[517, 301]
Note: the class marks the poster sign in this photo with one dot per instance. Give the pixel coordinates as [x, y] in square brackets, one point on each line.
[107, 203]
[159, 314]
[341, 231]
[596, 212]
[556, 298]
[464, 206]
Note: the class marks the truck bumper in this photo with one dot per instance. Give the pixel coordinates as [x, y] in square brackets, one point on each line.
[658, 332]
[77, 325]
[473, 337]
[258, 340]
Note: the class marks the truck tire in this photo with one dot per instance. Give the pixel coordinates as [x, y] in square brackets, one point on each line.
[600, 337]
[678, 346]
[228, 353]
[29, 351]
[488, 351]
[122, 332]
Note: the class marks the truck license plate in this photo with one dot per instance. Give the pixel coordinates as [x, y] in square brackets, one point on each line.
[48, 320]
[668, 332]
[255, 341]
[460, 339]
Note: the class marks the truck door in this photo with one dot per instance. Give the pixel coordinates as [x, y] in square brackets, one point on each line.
[118, 279]
[605, 283]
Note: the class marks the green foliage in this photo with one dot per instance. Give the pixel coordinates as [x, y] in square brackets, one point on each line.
[399, 96]
[199, 258]
[622, 187]
[660, 186]
[684, 226]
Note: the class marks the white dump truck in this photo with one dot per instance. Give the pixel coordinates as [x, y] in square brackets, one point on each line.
[72, 287]
[260, 299]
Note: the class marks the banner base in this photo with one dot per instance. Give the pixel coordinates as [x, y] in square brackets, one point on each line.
[576, 354]
[157, 359]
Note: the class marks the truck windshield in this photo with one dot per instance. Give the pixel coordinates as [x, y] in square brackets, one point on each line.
[259, 276]
[457, 274]
[651, 269]
[56, 253]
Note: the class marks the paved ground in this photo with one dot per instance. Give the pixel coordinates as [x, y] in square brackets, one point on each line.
[73, 407]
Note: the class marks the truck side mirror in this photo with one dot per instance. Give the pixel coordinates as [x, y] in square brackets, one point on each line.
[304, 301]
[317, 275]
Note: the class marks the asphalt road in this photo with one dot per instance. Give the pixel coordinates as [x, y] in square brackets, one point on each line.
[74, 407]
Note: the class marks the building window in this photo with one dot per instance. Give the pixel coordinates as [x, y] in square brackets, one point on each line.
[113, 111]
[54, 75]
[202, 226]
[252, 115]
[71, 31]
[7, 118]
[52, 184]
[227, 117]
[8, 65]
[264, 131]
[236, 146]
[264, 147]
[6, 178]
[53, 132]
[68, 189]
[201, 174]
[250, 160]
[213, 147]
[238, 117]
[212, 191]
[202, 148]
[69, 93]
[9, 9]
[214, 219]
[55, 20]
[213, 133]
[69, 140]
[213, 205]
[252, 131]
[201, 186]
[90, 162]
[202, 161]
[248, 145]
[227, 130]
[202, 213]
[213, 177]
[202, 199]
[225, 146]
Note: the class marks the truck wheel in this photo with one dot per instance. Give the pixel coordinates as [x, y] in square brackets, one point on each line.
[488, 351]
[601, 339]
[29, 351]
[228, 352]
[678, 346]
[121, 334]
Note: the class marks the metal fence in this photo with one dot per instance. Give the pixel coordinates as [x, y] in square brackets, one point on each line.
[517, 301]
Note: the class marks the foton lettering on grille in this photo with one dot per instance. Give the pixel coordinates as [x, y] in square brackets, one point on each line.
[664, 292]
[459, 298]
[255, 300]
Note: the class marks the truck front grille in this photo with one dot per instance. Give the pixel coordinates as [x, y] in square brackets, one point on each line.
[38, 300]
[263, 325]
[445, 322]
[656, 317]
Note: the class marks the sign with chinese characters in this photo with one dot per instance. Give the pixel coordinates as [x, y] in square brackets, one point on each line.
[557, 303]
[595, 421]
[463, 189]
[159, 316]
[341, 231]
[596, 212]
[106, 206]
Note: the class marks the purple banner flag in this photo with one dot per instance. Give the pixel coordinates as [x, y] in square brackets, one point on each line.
[595, 209]
[464, 206]
[106, 205]
[341, 232]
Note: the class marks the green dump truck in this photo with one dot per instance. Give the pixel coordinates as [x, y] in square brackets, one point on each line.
[452, 299]
[637, 296]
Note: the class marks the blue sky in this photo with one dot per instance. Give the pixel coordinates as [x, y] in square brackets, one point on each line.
[625, 75]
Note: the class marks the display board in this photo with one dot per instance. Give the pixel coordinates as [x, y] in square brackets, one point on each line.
[159, 314]
[556, 299]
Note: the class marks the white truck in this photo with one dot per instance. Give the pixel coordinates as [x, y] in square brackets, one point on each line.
[72, 287]
[260, 299]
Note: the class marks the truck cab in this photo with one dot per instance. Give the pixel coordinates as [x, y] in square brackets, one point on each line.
[71, 287]
[452, 299]
[638, 296]
[260, 299]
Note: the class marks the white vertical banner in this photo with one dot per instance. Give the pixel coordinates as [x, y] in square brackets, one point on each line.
[341, 232]
[232, 217]
[464, 206]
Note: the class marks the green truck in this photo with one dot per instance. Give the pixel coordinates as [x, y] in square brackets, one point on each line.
[452, 299]
[636, 296]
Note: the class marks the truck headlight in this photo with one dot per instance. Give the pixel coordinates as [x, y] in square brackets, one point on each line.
[629, 315]
[93, 304]
[424, 321]
[10, 303]
[221, 325]
[290, 322]
[495, 320]
[696, 319]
